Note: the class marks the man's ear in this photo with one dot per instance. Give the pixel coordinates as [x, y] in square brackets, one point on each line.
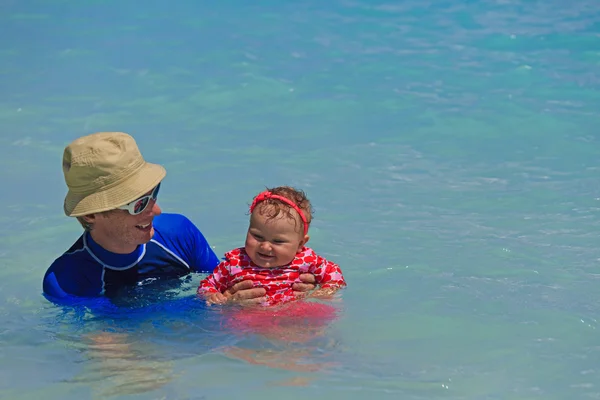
[89, 218]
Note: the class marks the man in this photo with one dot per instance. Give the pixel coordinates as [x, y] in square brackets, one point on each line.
[127, 241]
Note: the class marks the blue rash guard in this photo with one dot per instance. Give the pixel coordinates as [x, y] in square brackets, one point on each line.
[87, 270]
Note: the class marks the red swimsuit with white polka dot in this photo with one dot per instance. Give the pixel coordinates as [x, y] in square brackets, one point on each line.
[238, 267]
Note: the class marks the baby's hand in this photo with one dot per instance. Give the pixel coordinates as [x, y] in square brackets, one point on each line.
[216, 298]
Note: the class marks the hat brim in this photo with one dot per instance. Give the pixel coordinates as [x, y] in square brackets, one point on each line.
[134, 187]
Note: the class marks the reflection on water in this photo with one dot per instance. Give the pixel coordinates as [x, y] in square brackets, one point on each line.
[116, 363]
[135, 347]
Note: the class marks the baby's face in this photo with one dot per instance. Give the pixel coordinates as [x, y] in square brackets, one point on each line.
[273, 242]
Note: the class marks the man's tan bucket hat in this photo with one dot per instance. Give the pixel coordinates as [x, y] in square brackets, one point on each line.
[104, 171]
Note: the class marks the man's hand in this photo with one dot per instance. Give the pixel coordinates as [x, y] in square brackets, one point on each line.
[301, 289]
[215, 298]
[325, 293]
[244, 293]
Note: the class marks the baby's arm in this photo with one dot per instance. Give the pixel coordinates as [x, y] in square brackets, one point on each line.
[329, 277]
[213, 286]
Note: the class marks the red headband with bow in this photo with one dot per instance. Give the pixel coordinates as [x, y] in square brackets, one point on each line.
[268, 195]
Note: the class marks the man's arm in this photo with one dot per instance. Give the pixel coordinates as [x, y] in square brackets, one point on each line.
[70, 278]
[51, 287]
[194, 245]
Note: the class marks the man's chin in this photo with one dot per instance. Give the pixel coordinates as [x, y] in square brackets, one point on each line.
[145, 236]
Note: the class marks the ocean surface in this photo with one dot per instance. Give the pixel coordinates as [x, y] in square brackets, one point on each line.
[450, 149]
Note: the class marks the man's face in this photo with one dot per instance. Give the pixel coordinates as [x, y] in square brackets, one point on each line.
[120, 232]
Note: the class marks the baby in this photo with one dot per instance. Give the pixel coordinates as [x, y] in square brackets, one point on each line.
[274, 254]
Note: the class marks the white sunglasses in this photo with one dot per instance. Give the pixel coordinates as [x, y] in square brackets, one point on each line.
[138, 206]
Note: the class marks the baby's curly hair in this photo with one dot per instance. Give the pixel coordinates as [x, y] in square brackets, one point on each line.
[271, 208]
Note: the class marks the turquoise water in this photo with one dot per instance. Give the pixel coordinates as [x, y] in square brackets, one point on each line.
[450, 150]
